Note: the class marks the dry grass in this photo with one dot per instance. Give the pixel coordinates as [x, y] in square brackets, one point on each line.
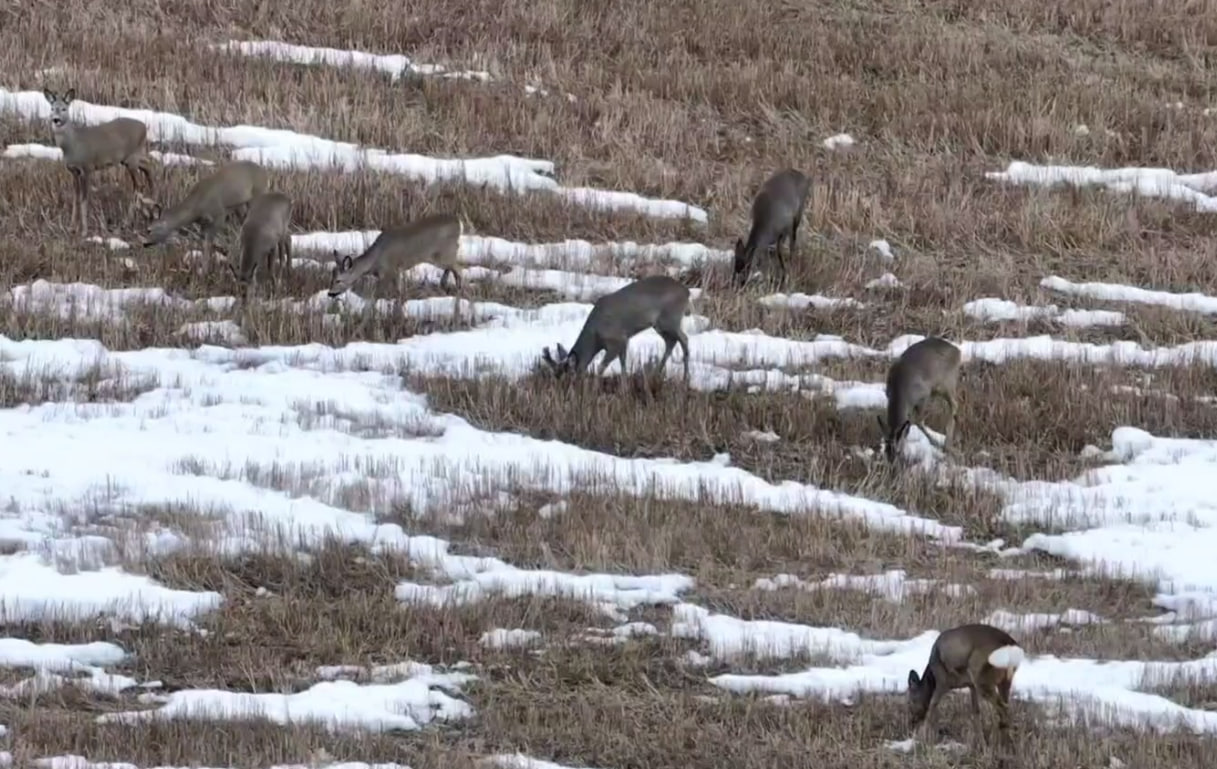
[691, 101]
[1021, 418]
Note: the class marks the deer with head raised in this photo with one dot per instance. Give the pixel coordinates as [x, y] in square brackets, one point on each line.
[89, 148]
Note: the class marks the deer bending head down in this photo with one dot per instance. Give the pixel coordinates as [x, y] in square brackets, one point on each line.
[657, 301]
[777, 211]
[435, 239]
[980, 657]
[926, 370]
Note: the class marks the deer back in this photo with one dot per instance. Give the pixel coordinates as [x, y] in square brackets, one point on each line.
[781, 199]
[968, 647]
[106, 144]
[265, 225]
[929, 363]
[434, 239]
[639, 305]
[233, 184]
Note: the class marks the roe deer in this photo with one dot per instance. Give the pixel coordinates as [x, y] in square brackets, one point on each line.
[927, 369]
[265, 236]
[980, 657]
[435, 239]
[777, 211]
[121, 141]
[232, 186]
[657, 301]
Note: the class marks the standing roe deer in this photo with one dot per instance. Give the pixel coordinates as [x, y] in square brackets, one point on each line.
[86, 149]
[265, 236]
[656, 301]
[980, 657]
[232, 186]
[435, 239]
[927, 369]
[777, 211]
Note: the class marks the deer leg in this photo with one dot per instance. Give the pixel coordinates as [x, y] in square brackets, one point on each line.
[132, 166]
[144, 168]
[456, 300]
[606, 361]
[75, 198]
[140, 201]
[456, 278]
[1002, 703]
[933, 441]
[917, 421]
[669, 344]
[459, 292]
[974, 691]
[81, 180]
[777, 248]
[683, 341]
[994, 694]
[209, 237]
[614, 351]
[930, 726]
[272, 266]
[952, 405]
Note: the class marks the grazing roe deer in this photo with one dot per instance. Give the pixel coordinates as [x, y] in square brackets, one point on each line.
[265, 236]
[232, 186]
[121, 141]
[777, 211]
[435, 239]
[980, 657]
[657, 301]
[927, 369]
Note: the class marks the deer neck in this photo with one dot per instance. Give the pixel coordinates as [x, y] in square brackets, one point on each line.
[64, 136]
[757, 234]
[586, 344]
[897, 411]
[364, 263]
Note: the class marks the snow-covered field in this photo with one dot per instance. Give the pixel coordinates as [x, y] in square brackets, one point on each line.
[293, 450]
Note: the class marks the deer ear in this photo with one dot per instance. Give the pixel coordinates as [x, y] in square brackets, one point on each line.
[346, 262]
[562, 353]
[48, 94]
[914, 681]
[70, 95]
[156, 210]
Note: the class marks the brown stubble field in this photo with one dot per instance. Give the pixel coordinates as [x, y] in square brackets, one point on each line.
[694, 101]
